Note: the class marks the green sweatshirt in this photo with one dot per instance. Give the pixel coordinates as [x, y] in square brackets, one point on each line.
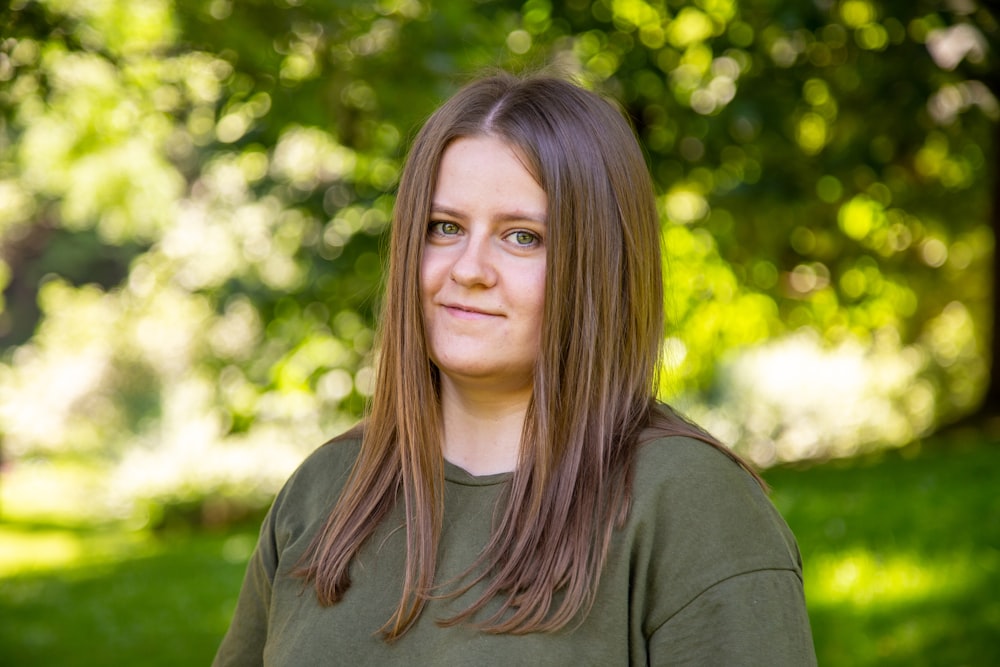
[704, 572]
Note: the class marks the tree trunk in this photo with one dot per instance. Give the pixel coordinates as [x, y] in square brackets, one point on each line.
[989, 408]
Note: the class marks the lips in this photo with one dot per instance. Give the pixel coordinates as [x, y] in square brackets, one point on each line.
[463, 311]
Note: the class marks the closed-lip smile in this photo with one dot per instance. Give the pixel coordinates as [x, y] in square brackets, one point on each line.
[460, 309]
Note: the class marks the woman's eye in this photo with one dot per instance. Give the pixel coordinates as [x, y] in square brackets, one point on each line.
[444, 228]
[524, 238]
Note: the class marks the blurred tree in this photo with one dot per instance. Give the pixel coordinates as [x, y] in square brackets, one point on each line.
[839, 154]
[193, 194]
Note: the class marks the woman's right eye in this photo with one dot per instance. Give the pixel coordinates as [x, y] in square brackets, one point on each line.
[444, 228]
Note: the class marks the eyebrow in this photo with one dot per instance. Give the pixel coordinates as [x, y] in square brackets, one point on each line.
[507, 216]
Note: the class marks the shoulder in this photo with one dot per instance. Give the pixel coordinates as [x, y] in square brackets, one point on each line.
[698, 518]
[679, 481]
[332, 457]
[316, 484]
[682, 466]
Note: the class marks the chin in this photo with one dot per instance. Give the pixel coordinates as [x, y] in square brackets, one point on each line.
[478, 372]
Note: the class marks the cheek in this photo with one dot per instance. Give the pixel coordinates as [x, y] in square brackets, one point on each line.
[428, 276]
[534, 291]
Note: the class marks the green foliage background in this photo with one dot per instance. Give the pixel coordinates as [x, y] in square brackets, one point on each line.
[193, 196]
[193, 199]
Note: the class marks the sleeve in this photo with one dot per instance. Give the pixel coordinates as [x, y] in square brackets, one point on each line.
[243, 643]
[757, 618]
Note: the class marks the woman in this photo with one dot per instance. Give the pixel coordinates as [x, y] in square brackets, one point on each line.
[515, 495]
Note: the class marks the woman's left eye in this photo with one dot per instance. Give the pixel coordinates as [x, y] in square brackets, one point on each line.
[524, 238]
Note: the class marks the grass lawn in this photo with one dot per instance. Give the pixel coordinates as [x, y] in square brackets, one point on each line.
[902, 556]
[148, 601]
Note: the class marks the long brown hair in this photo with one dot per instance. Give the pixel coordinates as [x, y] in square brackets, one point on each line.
[593, 383]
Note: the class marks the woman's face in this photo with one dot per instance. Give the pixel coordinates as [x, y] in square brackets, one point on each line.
[482, 278]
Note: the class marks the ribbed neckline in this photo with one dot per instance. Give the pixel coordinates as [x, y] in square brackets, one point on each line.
[458, 475]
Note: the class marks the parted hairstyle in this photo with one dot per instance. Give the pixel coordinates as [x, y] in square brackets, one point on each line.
[594, 378]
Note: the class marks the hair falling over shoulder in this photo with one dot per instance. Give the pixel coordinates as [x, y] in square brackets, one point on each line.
[593, 383]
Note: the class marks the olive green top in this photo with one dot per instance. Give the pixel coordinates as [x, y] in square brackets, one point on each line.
[704, 572]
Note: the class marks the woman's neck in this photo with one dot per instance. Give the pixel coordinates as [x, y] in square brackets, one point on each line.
[482, 429]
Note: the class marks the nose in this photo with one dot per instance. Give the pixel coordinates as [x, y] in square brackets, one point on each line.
[473, 265]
